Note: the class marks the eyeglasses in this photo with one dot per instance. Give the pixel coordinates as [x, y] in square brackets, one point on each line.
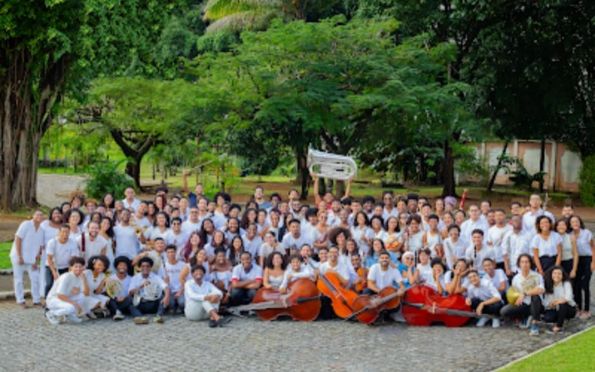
[175, 223]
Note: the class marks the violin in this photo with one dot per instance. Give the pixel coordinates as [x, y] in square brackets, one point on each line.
[342, 298]
[368, 308]
[423, 306]
[301, 302]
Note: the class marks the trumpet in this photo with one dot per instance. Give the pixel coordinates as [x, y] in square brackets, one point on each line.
[333, 166]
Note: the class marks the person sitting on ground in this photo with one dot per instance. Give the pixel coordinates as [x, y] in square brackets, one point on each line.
[558, 299]
[95, 274]
[246, 278]
[202, 298]
[152, 293]
[484, 298]
[121, 302]
[294, 272]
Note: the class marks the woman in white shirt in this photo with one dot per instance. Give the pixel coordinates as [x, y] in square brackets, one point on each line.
[361, 233]
[413, 238]
[558, 300]
[569, 252]
[454, 246]
[585, 245]
[546, 245]
[95, 275]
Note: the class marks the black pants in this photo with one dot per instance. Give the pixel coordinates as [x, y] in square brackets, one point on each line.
[567, 266]
[582, 291]
[523, 310]
[326, 309]
[547, 262]
[124, 306]
[49, 278]
[149, 307]
[563, 312]
[241, 296]
[493, 309]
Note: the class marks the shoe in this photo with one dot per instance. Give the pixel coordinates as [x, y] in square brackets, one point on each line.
[74, 319]
[481, 322]
[524, 324]
[118, 315]
[91, 315]
[141, 320]
[534, 330]
[585, 315]
[213, 323]
[53, 319]
[223, 320]
[495, 323]
[38, 304]
[158, 319]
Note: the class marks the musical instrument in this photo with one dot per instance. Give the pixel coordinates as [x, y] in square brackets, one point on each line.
[301, 302]
[368, 308]
[327, 165]
[342, 298]
[149, 292]
[112, 287]
[512, 295]
[463, 198]
[423, 306]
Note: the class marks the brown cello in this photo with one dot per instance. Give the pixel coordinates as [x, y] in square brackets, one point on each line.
[368, 308]
[342, 298]
[301, 302]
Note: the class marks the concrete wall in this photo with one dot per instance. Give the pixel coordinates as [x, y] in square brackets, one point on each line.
[561, 165]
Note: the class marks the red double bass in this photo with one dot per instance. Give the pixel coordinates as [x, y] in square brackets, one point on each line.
[423, 306]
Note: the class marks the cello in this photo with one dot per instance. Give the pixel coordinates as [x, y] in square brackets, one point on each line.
[423, 306]
[342, 298]
[368, 308]
[301, 302]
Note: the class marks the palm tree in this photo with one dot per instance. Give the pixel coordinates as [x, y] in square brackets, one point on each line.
[236, 15]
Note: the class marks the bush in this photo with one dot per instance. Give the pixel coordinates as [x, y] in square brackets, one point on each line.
[105, 177]
[587, 181]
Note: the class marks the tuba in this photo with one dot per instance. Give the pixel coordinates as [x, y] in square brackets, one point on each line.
[333, 166]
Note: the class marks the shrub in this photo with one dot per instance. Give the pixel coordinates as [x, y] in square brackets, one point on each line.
[105, 177]
[587, 181]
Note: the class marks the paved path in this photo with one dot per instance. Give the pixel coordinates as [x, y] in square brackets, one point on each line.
[53, 189]
[30, 343]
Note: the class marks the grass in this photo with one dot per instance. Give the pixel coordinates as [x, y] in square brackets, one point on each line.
[4, 252]
[575, 354]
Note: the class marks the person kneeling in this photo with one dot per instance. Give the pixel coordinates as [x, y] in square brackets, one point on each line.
[69, 297]
[484, 298]
[558, 300]
[202, 298]
[150, 293]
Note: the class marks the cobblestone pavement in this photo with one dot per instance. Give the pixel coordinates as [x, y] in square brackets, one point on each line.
[28, 342]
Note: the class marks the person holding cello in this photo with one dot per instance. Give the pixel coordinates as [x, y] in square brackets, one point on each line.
[341, 271]
[382, 275]
[295, 271]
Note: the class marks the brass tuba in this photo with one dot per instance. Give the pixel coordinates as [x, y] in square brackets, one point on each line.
[333, 166]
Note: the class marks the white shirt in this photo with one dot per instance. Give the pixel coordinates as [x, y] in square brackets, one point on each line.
[252, 246]
[583, 243]
[469, 225]
[49, 232]
[357, 234]
[188, 227]
[449, 277]
[495, 239]
[137, 281]
[173, 273]
[126, 241]
[524, 284]
[155, 232]
[515, 244]
[93, 282]
[31, 242]
[385, 278]
[305, 272]
[179, 240]
[68, 285]
[341, 269]
[62, 253]
[477, 256]
[454, 250]
[239, 274]
[529, 219]
[561, 291]
[132, 205]
[222, 276]
[547, 247]
[92, 248]
[125, 284]
[425, 271]
[498, 278]
[484, 291]
[289, 242]
[195, 292]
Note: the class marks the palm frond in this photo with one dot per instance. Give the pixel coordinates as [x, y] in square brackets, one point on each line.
[217, 9]
[252, 20]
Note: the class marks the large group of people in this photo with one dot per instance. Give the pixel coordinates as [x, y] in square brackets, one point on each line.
[185, 253]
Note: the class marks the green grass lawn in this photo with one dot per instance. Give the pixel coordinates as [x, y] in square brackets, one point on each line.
[4, 252]
[575, 354]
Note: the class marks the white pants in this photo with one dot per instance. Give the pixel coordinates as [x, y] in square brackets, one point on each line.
[42, 269]
[18, 272]
[199, 310]
[99, 298]
[58, 307]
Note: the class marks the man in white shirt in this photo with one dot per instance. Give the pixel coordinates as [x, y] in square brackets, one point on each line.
[130, 201]
[531, 215]
[90, 243]
[152, 291]
[121, 302]
[59, 252]
[193, 223]
[495, 236]
[25, 255]
[202, 298]
[515, 243]
[294, 240]
[246, 278]
[173, 267]
[478, 251]
[176, 236]
[127, 243]
[50, 228]
[333, 264]
[252, 242]
[484, 298]
[382, 275]
[473, 223]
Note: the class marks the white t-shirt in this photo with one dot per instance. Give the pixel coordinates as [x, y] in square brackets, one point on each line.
[179, 240]
[92, 248]
[484, 291]
[477, 256]
[68, 285]
[454, 250]
[495, 239]
[222, 276]
[449, 277]
[127, 243]
[49, 232]
[188, 227]
[289, 242]
[252, 246]
[62, 253]
[239, 274]
[562, 291]
[341, 269]
[583, 243]
[384, 278]
[515, 245]
[469, 225]
[31, 242]
[529, 219]
[547, 247]
[137, 281]
[195, 292]
[155, 232]
[357, 234]
[498, 278]
[93, 282]
[425, 271]
[125, 284]
[524, 284]
[131, 205]
[173, 273]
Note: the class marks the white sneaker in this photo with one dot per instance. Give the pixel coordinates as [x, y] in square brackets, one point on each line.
[482, 322]
[74, 319]
[495, 323]
[53, 319]
[118, 315]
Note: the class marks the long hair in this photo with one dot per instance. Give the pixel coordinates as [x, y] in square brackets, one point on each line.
[548, 281]
[188, 245]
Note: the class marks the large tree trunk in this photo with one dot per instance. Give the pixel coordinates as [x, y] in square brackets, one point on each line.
[448, 175]
[303, 174]
[542, 164]
[134, 149]
[27, 97]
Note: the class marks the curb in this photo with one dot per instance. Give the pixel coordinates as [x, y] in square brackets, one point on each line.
[9, 295]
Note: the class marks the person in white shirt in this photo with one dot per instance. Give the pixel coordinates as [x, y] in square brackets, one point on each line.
[496, 234]
[558, 300]
[585, 245]
[295, 271]
[382, 275]
[535, 211]
[495, 275]
[483, 298]
[50, 228]
[177, 237]
[25, 255]
[252, 242]
[478, 251]
[96, 279]
[293, 240]
[246, 278]
[69, 297]
[127, 243]
[437, 280]
[546, 245]
[152, 291]
[473, 223]
[193, 222]
[454, 246]
[362, 233]
[529, 285]
[91, 243]
[130, 201]
[121, 302]
[59, 252]
[173, 267]
[333, 264]
[515, 243]
[202, 298]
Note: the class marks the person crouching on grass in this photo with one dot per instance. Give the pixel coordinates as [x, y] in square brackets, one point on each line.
[69, 300]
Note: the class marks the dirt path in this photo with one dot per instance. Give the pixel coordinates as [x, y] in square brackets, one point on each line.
[53, 189]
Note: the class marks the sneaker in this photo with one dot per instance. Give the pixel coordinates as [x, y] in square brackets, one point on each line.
[585, 315]
[481, 322]
[53, 319]
[91, 315]
[141, 320]
[534, 330]
[495, 323]
[74, 319]
[158, 319]
[118, 315]
[524, 324]
[213, 323]
[223, 320]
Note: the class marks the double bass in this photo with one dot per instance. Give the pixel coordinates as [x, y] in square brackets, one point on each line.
[301, 302]
[422, 306]
[343, 299]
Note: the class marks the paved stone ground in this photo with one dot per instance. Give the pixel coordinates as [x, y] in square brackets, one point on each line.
[29, 342]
